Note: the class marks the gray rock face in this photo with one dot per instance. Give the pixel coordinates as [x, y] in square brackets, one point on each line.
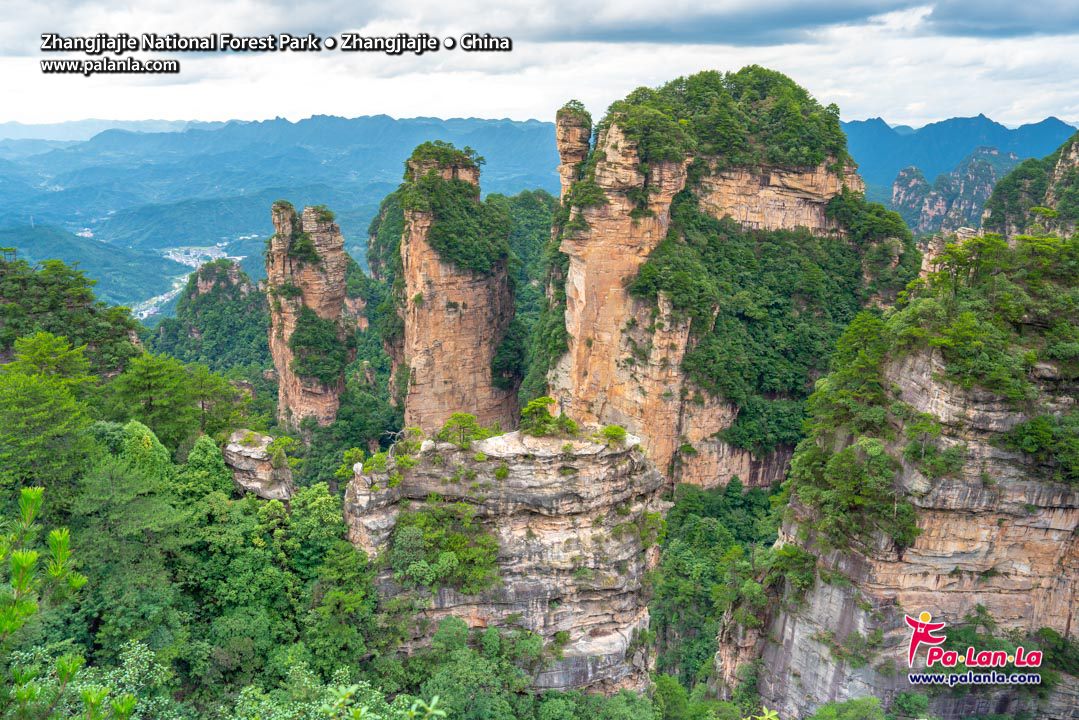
[995, 534]
[569, 518]
[251, 461]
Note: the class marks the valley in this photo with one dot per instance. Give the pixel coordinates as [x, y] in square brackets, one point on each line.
[649, 414]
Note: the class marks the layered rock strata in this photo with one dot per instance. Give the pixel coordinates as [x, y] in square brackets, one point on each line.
[454, 321]
[254, 470]
[305, 268]
[570, 520]
[624, 359]
[996, 534]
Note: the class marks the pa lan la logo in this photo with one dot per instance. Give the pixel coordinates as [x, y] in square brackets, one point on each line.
[922, 633]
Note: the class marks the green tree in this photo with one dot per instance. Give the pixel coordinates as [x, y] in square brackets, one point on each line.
[49, 355]
[26, 588]
[156, 391]
[130, 520]
[44, 438]
[220, 404]
[860, 709]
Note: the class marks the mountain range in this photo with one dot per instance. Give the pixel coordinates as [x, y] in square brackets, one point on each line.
[881, 151]
[153, 186]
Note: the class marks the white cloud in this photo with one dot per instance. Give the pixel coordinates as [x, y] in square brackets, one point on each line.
[872, 60]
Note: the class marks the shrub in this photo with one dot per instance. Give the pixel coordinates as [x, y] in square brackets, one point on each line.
[318, 351]
[614, 435]
[536, 420]
[441, 545]
[462, 429]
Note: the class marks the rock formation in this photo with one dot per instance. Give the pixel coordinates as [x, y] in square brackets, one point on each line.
[1018, 202]
[208, 276]
[305, 268]
[254, 467]
[1063, 191]
[573, 133]
[356, 312]
[454, 318]
[955, 199]
[593, 381]
[576, 524]
[996, 534]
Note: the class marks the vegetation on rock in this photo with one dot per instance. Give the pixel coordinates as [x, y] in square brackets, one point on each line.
[223, 327]
[441, 545]
[766, 307]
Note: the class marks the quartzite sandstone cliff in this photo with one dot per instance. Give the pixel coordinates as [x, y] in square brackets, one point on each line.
[650, 395]
[574, 543]
[454, 320]
[305, 267]
[995, 534]
[956, 199]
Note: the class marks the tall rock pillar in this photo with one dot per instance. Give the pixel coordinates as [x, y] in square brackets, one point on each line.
[456, 302]
[310, 341]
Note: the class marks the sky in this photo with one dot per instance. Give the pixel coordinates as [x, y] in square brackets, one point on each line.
[907, 61]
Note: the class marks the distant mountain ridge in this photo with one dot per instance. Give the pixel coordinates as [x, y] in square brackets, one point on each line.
[123, 276]
[76, 130]
[152, 185]
[882, 151]
[201, 185]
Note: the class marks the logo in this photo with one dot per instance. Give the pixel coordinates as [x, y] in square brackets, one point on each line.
[922, 630]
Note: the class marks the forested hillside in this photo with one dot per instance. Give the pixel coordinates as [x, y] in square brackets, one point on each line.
[752, 426]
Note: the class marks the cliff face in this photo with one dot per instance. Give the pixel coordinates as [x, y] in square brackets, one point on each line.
[305, 268]
[777, 199]
[624, 362]
[454, 320]
[573, 133]
[1063, 192]
[956, 199]
[922, 207]
[1050, 182]
[574, 543]
[994, 534]
[206, 279]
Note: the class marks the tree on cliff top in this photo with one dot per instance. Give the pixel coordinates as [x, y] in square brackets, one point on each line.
[465, 232]
[444, 154]
[751, 117]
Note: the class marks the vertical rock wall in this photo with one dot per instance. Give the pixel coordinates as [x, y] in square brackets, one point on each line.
[624, 361]
[305, 267]
[454, 321]
[572, 521]
[996, 534]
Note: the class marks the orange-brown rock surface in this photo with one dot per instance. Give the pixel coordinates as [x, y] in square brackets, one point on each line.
[777, 199]
[573, 133]
[297, 279]
[624, 363]
[454, 321]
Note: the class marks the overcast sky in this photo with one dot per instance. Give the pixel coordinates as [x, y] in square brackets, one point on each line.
[908, 62]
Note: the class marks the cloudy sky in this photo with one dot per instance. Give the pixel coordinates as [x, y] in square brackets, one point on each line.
[907, 61]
